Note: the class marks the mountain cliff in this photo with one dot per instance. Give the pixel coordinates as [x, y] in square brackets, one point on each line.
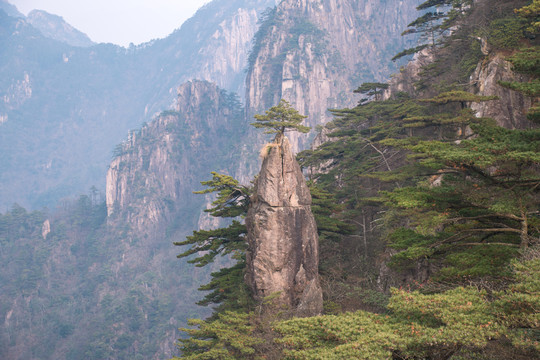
[125, 293]
[150, 182]
[315, 53]
[10, 10]
[461, 64]
[446, 199]
[511, 107]
[54, 27]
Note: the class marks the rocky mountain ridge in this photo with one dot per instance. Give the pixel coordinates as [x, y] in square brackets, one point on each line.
[83, 101]
[154, 173]
[149, 184]
[10, 9]
[55, 27]
[288, 34]
[312, 56]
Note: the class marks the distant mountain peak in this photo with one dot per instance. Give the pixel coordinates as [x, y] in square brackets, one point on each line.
[10, 9]
[55, 27]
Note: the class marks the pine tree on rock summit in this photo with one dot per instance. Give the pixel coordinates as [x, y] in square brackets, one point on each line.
[280, 118]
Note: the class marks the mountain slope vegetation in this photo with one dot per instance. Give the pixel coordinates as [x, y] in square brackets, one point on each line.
[442, 203]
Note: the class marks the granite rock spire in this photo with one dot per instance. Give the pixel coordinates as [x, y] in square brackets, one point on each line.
[283, 256]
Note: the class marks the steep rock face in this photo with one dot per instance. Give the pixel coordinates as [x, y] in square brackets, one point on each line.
[227, 51]
[150, 201]
[54, 27]
[18, 93]
[156, 170]
[408, 74]
[510, 109]
[313, 53]
[282, 234]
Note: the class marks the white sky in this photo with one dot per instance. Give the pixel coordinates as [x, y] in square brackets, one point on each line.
[118, 21]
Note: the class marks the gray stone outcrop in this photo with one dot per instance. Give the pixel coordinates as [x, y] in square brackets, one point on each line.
[511, 108]
[283, 256]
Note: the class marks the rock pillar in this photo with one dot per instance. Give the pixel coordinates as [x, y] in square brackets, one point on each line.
[283, 254]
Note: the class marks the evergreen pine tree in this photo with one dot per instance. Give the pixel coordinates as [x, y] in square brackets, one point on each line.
[280, 118]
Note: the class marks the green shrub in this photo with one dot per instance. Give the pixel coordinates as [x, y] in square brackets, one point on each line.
[506, 33]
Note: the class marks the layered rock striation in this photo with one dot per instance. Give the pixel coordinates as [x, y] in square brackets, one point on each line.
[314, 53]
[282, 257]
[151, 179]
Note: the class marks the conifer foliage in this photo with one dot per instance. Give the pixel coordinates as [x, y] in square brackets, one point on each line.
[226, 287]
[438, 17]
[226, 334]
[428, 184]
[460, 197]
[280, 118]
[228, 337]
[229, 332]
[457, 322]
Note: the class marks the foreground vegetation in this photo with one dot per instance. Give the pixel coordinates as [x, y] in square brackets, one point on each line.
[413, 191]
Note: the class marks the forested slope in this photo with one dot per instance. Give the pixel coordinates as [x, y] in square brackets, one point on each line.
[413, 189]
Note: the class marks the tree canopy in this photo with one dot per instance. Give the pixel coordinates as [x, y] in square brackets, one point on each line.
[438, 17]
[280, 118]
[372, 90]
[424, 326]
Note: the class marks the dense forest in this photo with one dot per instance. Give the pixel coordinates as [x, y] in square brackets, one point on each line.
[61, 280]
[428, 215]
